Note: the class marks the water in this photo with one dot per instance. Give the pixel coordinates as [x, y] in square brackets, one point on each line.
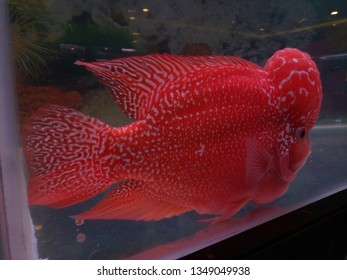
[61, 32]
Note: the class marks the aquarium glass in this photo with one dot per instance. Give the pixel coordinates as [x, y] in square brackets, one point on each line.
[48, 37]
[1, 239]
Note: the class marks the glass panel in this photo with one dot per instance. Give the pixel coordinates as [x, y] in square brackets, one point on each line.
[48, 38]
[15, 223]
[2, 220]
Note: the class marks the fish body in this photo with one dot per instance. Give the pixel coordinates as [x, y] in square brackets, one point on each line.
[211, 134]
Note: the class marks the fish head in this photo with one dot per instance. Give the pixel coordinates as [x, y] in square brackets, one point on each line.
[293, 153]
[297, 98]
[279, 166]
[297, 93]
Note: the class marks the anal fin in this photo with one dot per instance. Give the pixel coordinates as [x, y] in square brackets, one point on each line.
[233, 210]
[129, 201]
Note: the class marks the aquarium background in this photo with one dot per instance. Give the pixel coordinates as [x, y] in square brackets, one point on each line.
[48, 36]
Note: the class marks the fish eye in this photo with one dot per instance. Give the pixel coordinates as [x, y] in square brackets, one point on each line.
[300, 133]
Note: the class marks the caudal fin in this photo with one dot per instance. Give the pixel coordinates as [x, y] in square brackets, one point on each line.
[62, 148]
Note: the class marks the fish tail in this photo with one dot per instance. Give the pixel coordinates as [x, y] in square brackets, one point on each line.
[63, 148]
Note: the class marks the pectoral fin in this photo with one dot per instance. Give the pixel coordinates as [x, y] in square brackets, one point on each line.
[259, 163]
[264, 173]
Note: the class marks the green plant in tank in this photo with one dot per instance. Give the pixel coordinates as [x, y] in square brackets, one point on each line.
[30, 29]
[98, 38]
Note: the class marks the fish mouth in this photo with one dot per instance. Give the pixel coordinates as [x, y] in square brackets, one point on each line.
[290, 165]
[288, 175]
[290, 172]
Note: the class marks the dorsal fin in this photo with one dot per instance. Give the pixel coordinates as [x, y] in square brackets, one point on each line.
[134, 81]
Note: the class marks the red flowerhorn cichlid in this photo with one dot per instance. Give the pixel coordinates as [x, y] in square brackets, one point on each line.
[211, 134]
